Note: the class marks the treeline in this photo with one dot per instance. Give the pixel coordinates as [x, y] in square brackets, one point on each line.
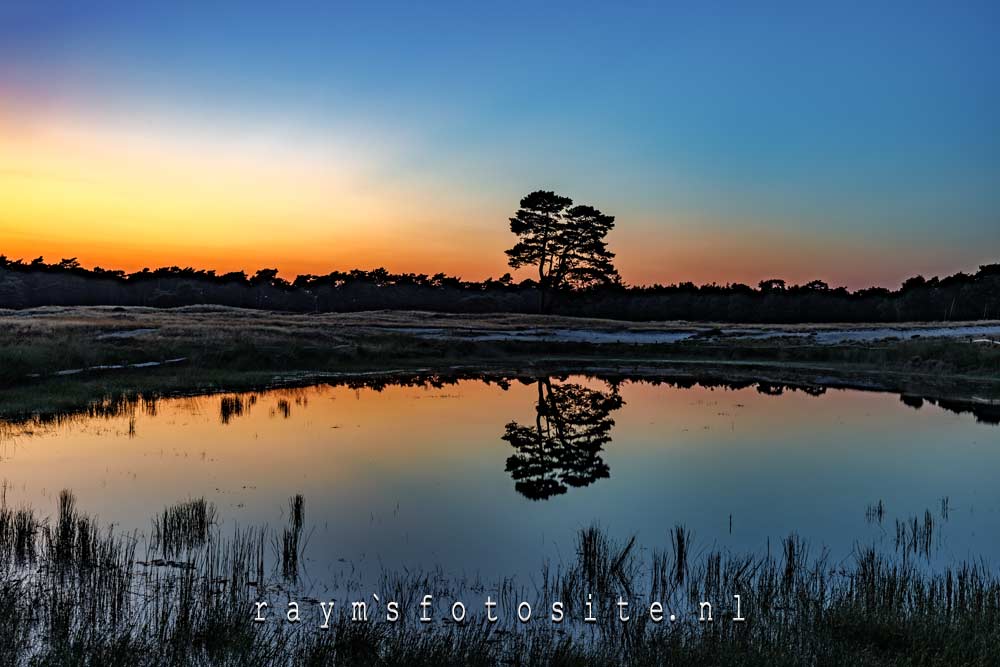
[65, 283]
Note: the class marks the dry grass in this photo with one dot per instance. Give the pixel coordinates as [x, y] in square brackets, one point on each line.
[107, 351]
[106, 319]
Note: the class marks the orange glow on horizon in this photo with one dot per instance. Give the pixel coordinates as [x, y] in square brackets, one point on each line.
[132, 196]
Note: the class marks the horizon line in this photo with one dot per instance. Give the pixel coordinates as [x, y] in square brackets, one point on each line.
[75, 264]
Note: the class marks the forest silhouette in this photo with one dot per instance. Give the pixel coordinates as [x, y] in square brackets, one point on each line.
[960, 296]
[561, 243]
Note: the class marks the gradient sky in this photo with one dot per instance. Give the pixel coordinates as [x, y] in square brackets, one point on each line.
[857, 143]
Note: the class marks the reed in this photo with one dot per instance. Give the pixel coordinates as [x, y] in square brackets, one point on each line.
[229, 407]
[680, 538]
[79, 596]
[182, 526]
[875, 513]
[291, 538]
[18, 530]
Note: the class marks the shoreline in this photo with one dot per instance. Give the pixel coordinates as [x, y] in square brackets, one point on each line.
[55, 360]
[49, 398]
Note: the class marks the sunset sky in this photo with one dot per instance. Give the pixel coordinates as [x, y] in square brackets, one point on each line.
[859, 143]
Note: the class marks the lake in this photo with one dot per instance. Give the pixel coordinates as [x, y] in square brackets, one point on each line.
[492, 478]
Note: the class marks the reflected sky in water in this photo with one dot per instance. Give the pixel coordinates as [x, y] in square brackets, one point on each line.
[493, 479]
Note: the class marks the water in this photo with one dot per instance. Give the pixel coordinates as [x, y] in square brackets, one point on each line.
[422, 477]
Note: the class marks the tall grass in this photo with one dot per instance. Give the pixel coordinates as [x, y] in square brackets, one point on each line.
[75, 594]
[18, 531]
[182, 526]
[291, 538]
[229, 407]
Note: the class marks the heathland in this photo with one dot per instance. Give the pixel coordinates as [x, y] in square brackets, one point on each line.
[61, 358]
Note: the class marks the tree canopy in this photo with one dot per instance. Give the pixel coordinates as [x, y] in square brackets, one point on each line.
[565, 243]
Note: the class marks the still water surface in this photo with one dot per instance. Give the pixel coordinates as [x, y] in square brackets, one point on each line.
[492, 479]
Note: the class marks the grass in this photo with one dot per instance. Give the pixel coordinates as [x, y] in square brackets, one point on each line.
[229, 407]
[916, 535]
[229, 347]
[182, 527]
[875, 512]
[18, 531]
[75, 594]
[290, 546]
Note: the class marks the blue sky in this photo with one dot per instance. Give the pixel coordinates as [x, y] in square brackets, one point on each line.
[849, 131]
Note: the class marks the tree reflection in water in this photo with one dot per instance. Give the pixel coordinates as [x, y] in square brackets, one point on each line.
[562, 449]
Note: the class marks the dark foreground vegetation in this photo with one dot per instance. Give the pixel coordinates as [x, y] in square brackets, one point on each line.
[958, 297]
[74, 592]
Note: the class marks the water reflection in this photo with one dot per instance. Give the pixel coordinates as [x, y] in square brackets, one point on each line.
[982, 403]
[412, 471]
[563, 447]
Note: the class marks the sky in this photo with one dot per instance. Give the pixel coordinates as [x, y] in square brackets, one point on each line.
[858, 143]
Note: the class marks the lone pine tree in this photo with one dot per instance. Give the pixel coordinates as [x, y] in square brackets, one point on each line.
[565, 242]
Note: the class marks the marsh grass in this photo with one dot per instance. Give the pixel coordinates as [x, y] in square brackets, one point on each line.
[915, 535]
[290, 545]
[875, 513]
[680, 538]
[18, 531]
[296, 512]
[229, 407]
[182, 527]
[76, 595]
[603, 570]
